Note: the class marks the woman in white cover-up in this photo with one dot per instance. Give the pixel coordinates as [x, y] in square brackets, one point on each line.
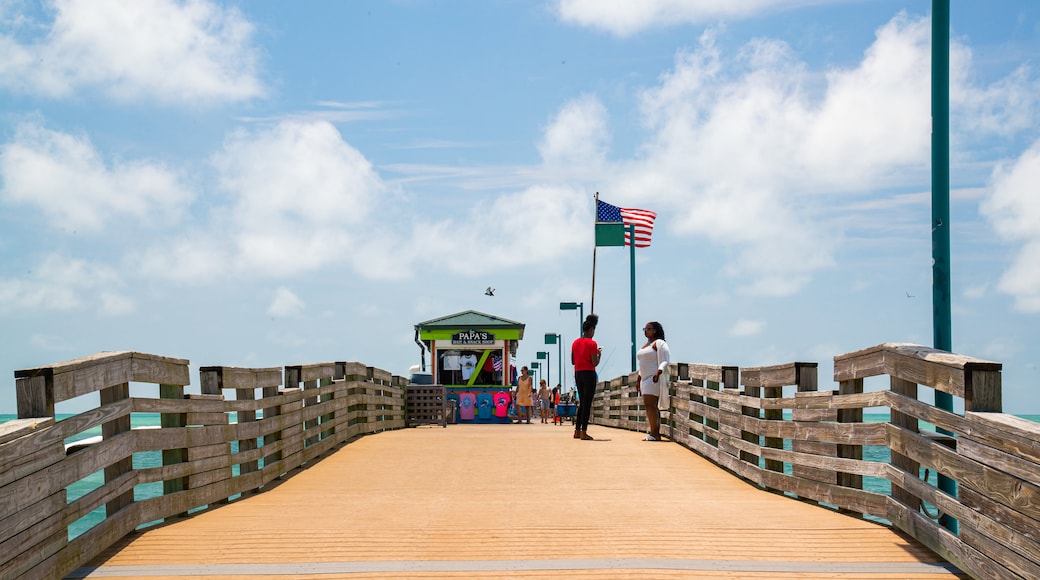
[652, 381]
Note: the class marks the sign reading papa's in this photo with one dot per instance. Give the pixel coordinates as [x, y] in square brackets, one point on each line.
[473, 337]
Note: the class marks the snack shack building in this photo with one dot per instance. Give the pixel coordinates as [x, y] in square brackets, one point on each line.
[472, 354]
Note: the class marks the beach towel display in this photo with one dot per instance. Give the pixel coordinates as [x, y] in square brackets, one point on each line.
[467, 404]
[502, 404]
[484, 406]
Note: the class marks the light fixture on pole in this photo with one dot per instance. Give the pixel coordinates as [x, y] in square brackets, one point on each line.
[580, 307]
[544, 355]
[535, 366]
[553, 338]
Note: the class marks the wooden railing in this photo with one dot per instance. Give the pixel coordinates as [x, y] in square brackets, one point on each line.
[771, 426]
[214, 448]
[810, 444]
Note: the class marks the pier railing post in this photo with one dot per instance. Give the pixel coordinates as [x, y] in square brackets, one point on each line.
[714, 403]
[910, 423]
[850, 387]
[109, 430]
[35, 395]
[679, 372]
[755, 412]
[206, 449]
[811, 410]
[274, 436]
[310, 424]
[697, 418]
[173, 456]
[773, 415]
[243, 417]
[292, 435]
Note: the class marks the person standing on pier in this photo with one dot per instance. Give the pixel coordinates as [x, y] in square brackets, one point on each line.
[544, 395]
[524, 388]
[652, 380]
[585, 356]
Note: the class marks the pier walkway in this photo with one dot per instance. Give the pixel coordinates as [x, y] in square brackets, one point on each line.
[522, 501]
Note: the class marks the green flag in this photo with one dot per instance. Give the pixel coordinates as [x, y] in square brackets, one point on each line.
[610, 234]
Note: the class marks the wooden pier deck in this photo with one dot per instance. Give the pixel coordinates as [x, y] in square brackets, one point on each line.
[523, 501]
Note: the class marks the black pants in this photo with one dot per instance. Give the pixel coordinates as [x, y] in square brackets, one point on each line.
[586, 383]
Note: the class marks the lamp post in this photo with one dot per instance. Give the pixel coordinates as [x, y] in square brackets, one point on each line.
[536, 369]
[580, 307]
[553, 338]
[544, 355]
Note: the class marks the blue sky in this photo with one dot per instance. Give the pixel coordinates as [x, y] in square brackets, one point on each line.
[264, 183]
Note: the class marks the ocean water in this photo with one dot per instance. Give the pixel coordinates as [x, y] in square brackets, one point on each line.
[154, 459]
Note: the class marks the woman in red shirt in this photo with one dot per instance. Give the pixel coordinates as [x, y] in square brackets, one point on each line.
[585, 355]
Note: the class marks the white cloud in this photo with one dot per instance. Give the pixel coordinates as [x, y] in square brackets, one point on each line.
[533, 226]
[166, 50]
[752, 150]
[115, 304]
[1014, 210]
[1004, 108]
[285, 304]
[196, 258]
[66, 178]
[625, 18]
[745, 327]
[874, 118]
[577, 135]
[976, 291]
[301, 196]
[62, 284]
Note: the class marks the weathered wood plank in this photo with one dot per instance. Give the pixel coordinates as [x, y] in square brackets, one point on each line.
[77, 377]
[1006, 557]
[43, 483]
[1007, 433]
[35, 396]
[942, 542]
[1000, 523]
[21, 530]
[1008, 490]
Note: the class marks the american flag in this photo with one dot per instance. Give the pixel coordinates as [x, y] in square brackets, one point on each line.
[643, 219]
[496, 363]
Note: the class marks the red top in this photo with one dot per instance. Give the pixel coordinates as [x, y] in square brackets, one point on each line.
[582, 350]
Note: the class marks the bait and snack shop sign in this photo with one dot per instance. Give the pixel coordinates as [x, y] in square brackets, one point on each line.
[473, 337]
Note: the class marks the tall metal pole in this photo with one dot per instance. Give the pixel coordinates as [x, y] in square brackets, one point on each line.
[595, 211]
[548, 366]
[632, 291]
[559, 355]
[942, 326]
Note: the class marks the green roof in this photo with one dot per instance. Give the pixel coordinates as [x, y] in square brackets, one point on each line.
[470, 319]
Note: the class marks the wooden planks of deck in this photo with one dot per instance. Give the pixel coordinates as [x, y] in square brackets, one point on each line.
[525, 501]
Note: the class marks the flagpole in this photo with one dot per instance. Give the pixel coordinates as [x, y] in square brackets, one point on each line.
[632, 290]
[595, 218]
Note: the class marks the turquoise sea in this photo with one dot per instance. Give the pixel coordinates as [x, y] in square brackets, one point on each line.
[154, 459]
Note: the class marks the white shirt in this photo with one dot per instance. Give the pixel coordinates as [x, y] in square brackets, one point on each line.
[468, 362]
[650, 361]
